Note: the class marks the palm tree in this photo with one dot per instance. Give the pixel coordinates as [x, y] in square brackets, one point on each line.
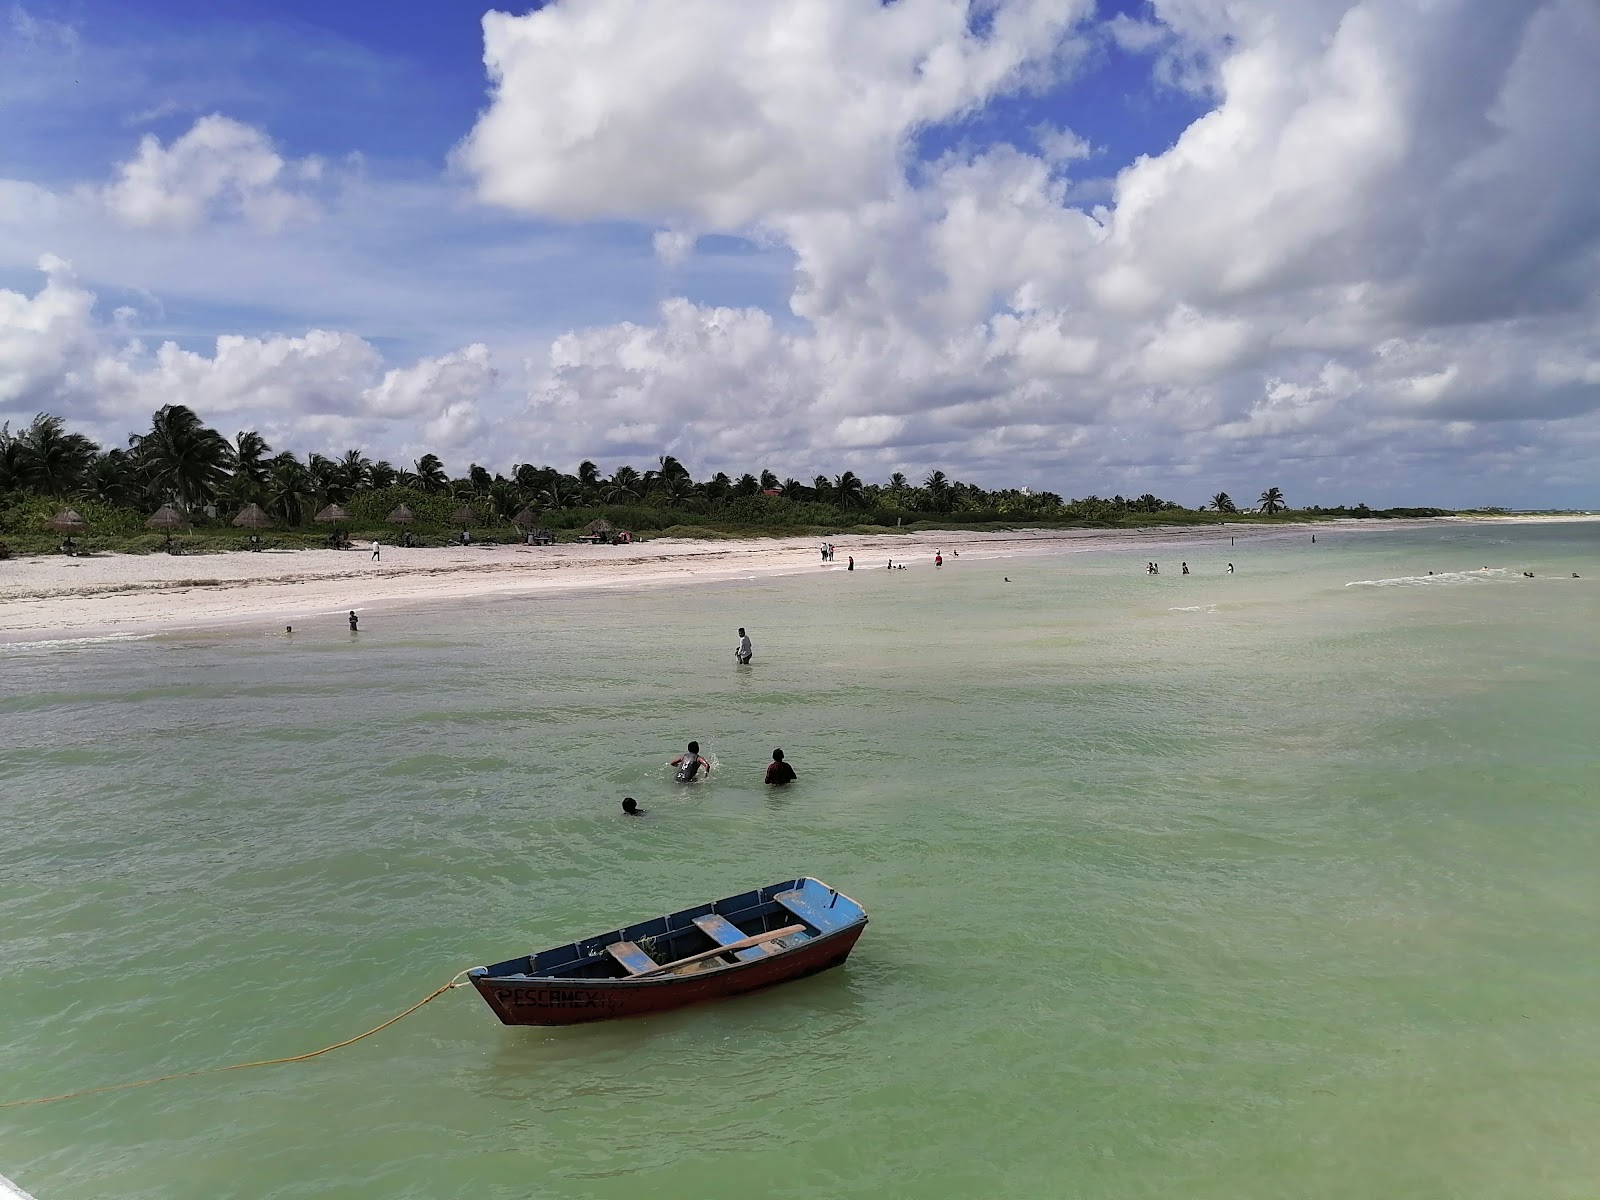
[1223, 503]
[793, 489]
[381, 475]
[676, 489]
[748, 485]
[847, 490]
[672, 468]
[938, 487]
[768, 481]
[479, 479]
[718, 486]
[589, 478]
[556, 495]
[624, 485]
[111, 479]
[354, 470]
[289, 489]
[1272, 501]
[249, 463]
[181, 457]
[430, 474]
[822, 489]
[54, 462]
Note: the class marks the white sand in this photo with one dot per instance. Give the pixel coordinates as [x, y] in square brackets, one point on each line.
[53, 596]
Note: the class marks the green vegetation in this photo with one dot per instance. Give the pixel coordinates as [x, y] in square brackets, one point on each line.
[182, 462]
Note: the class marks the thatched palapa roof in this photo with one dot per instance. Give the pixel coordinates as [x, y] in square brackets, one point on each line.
[67, 521]
[253, 516]
[168, 518]
[465, 515]
[526, 518]
[332, 513]
[598, 525]
[400, 515]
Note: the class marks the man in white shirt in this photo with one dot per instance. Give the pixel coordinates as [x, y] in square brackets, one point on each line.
[744, 650]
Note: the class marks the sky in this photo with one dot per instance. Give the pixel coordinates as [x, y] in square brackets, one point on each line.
[1349, 248]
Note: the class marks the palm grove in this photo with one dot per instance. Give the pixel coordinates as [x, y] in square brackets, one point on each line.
[183, 462]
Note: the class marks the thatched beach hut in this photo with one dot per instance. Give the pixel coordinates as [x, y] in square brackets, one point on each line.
[67, 521]
[526, 519]
[253, 516]
[333, 513]
[168, 518]
[400, 515]
[598, 525]
[464, 516]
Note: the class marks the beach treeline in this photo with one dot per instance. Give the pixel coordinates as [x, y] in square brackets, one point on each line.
[209, 478]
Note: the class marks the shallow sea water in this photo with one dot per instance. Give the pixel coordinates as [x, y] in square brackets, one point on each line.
[1273, 885]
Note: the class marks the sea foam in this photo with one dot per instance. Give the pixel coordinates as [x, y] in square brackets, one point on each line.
[1442, 577]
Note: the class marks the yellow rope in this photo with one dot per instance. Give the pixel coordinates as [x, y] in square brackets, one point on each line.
[455, 982]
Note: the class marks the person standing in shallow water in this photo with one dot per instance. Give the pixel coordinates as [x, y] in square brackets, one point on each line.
[779, 772]
[689, 764]
[353, 620]
[744, 651]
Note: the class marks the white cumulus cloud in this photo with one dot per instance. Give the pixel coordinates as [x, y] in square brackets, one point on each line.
[220, 167]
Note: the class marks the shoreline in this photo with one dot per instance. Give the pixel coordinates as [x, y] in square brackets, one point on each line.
[49, 598]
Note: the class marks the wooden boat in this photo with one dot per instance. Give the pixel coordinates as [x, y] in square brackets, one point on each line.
[753, 940]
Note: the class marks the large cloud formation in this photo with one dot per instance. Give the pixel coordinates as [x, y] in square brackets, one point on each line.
[318, 390]
[1369, 270]
[1379, 245]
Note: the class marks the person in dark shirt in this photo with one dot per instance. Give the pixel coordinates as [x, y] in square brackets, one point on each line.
[631, 807]
[689, 764]
[778, 771]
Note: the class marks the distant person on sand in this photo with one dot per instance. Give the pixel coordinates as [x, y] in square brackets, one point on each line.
[744, 650]
[353, 619]
[938, 559]
[375, 549]
[1230, 568]
[689, 763]
[1185, 568]
[778, 771]
[631, 807]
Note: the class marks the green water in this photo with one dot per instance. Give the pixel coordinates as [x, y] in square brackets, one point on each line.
[1206, 886]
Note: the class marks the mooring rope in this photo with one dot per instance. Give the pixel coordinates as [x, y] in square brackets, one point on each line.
[455, 982]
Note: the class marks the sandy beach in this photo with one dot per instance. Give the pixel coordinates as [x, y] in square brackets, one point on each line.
[52, 596]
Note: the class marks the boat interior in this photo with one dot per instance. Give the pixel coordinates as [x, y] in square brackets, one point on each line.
[805, 908]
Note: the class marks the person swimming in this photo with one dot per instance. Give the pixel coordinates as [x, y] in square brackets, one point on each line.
[631, 807]
[689, 764]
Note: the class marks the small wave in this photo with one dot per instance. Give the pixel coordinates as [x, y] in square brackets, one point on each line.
[58, 643]
[1209, 608]
[1441, 577]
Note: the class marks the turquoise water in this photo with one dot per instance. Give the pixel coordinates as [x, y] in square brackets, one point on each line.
[1272, 885]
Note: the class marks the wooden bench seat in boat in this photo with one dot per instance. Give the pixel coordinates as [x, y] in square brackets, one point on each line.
[633, 959]
[724, 932]
[801, 906]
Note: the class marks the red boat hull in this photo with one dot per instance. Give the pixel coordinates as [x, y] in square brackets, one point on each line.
[530, 1001]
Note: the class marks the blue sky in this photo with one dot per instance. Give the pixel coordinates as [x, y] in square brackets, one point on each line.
[1114, 247]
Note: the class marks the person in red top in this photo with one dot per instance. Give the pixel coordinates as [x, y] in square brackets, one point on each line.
[778, 771]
